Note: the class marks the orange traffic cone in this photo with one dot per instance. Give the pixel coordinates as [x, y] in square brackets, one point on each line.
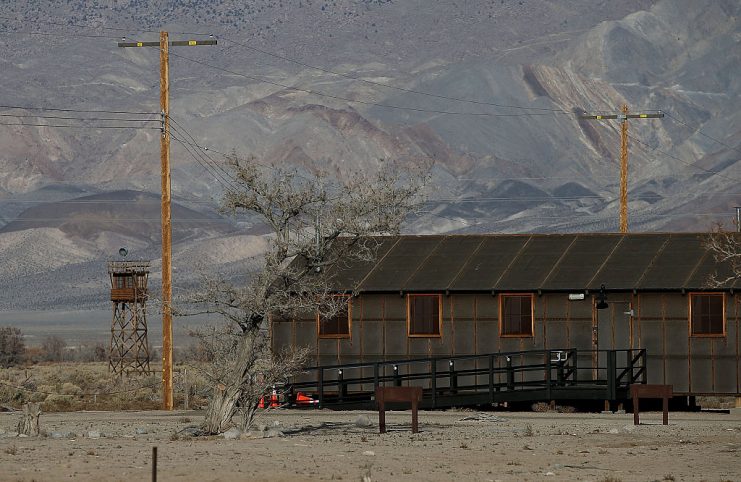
[302, 399]
[274, 399]
[262, 403]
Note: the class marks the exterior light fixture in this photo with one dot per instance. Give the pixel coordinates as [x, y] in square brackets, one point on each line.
[602, 298]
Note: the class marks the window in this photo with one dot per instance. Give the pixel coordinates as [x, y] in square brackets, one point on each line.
[707, 314]
[424, 315]
[337, 326]
[123, 281]
[516, 315]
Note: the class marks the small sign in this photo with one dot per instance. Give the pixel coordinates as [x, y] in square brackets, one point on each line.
[576, 296]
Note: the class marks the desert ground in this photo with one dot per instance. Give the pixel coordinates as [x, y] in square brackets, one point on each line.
[293, 445]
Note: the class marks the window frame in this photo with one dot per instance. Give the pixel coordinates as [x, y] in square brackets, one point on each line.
[439, 333]
[349, 321]
[690, 298]
[502, 296]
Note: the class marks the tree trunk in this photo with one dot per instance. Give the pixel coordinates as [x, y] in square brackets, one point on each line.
[221, 409]
[29, 423]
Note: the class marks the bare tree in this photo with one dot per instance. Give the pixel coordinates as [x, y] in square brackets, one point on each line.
[12, 347]
[53, 348]
[316, 223]
[726, 249]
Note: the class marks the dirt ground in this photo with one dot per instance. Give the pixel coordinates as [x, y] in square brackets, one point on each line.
[326, 445]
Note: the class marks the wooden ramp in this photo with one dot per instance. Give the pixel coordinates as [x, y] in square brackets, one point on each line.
[476, 380]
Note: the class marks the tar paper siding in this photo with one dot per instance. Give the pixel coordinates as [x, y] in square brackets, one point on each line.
[660, 324]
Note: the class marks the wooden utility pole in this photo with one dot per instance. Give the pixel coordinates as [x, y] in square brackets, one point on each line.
[623, 117]
[164, 47]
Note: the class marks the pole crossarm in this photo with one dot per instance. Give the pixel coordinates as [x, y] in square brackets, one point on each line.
[623, 117]
[173, 43]
[164, 47]
[654, 115]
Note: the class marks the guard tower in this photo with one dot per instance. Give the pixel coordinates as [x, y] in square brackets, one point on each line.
[129, 351]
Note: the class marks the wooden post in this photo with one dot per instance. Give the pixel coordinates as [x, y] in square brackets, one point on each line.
[29, 423]
[167, 396]
[164, 47]
[624, 171]
[154, 464]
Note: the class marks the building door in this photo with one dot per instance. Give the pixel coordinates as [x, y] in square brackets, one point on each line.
[612, 329]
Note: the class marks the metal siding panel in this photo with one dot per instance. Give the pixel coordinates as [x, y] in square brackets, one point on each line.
[509, 344]
[396, 337]
[557, 333]
[349, 347]
[400, 263]
[580, 264]
[652, 341]
[677, 356]
[674, 264]
[701, 365]
[484, 268]
[418, 347]
[650, 305]
[580, 333]
[487, 335]
[372, 339]
[463, 306]
[328, 347]
[443, 264]
[306, 334]
[464, 339]
[395, 308]
[725, 369]
[372, 307]
[282, 335]
[677, 306]
[442, 346]
[534, 263]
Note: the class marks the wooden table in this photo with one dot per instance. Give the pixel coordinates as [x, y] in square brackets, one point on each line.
[412, 395]
[638, 391]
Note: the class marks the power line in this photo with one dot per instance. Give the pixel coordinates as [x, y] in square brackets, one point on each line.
[81, 111]
[696, 129]
[203, 164]
[206, 162]
[76, 127]
[647, 147]
[50, 34]
[355, 101]
[120, 119]
[387, 86]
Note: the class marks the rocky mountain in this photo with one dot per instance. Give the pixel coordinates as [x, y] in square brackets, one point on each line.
[487, 90]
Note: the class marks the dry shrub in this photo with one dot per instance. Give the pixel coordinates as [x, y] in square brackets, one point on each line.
[58, 403]
[70, 389]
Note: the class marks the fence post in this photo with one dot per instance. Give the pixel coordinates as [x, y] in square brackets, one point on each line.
[434, 383]
[321, 386]
[644, 376]
[375, 377]
[575, 365]
[510, 374]
[491, 378]
[343, 385]
[548, 368]
[453, 378]
[611, 375]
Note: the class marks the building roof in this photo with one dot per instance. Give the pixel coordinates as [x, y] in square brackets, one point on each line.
[535, 262]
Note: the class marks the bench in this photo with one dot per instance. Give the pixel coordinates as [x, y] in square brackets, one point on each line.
[411, 395]
[638, 391]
